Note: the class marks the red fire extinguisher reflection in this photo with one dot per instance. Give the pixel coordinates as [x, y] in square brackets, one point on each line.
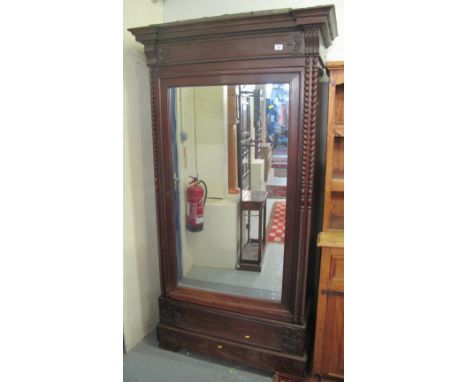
[196, 199]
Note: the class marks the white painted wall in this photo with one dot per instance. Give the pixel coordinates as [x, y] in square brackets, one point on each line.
[190, 9]
[141, 287]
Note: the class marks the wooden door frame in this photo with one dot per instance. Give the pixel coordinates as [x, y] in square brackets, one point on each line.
[293, 72]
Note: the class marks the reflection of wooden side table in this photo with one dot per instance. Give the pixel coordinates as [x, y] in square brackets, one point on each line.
[250, 258]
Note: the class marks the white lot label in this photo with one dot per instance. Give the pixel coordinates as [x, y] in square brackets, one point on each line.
[278, 46]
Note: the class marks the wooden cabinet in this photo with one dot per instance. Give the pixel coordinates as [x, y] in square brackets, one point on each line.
[333, 217]
[330, 318]
[328, 354]
[328, 358]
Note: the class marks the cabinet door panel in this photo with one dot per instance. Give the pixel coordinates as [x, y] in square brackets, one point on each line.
[336, 275]
[333, 352]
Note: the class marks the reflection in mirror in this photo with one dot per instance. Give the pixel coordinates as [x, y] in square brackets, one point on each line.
[230, 150]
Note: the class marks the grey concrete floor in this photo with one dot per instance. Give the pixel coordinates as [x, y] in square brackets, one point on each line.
[146, 362]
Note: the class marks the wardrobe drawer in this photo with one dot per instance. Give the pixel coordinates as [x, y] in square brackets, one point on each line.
[277, 336]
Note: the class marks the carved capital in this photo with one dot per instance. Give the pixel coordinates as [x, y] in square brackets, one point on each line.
[311, 40]
[155, 53]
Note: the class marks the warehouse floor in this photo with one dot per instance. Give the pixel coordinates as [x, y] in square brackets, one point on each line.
[146, 362]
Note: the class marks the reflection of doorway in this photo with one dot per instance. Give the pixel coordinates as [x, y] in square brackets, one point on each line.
[244, 139]
[277, 122]
[263, 137]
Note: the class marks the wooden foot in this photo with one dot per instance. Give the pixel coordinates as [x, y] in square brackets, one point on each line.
[281, 377]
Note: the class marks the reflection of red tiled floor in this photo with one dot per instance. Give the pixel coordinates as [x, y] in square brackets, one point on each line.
[279, 162]
[276, 192]
[276, 227]
[279, 157]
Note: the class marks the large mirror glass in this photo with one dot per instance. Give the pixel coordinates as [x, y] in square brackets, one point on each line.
[230, 155]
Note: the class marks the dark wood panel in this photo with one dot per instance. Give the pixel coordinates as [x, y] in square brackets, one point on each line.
[233, 303]
[263, 359]
[228, 48]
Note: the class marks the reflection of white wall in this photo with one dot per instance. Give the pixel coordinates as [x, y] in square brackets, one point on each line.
[211, 138]
[185, 118]
[201, 113]
[216, 245]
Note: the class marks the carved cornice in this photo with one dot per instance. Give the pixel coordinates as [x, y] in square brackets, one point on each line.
[173, 43]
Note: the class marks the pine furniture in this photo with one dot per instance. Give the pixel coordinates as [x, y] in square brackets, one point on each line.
[328, 355]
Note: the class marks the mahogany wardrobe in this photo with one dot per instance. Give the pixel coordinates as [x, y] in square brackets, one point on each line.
[225, 89]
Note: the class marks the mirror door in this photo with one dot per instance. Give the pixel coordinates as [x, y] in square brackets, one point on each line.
[230, 171]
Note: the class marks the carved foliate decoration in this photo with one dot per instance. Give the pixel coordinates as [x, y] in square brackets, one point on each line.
[295, 45]
[169, 314]
[290, 340]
